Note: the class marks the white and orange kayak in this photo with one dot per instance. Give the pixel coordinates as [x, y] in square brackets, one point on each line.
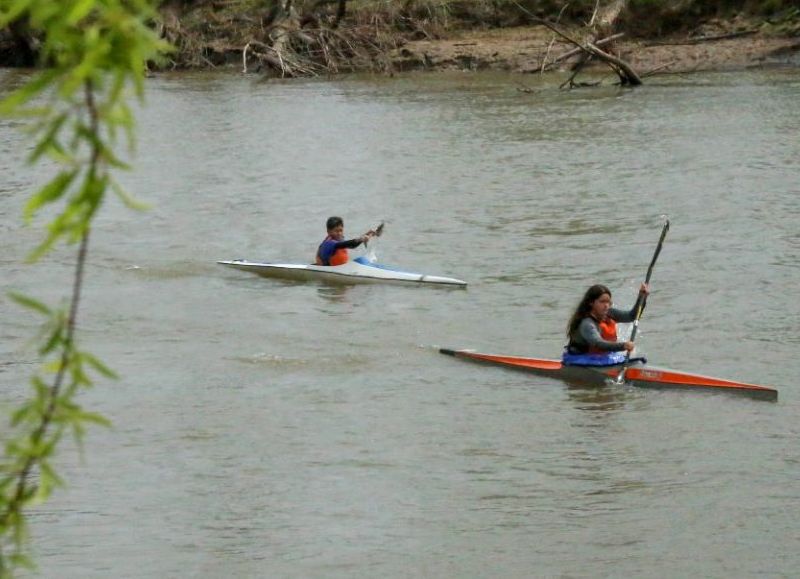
[358, 271]
[637, 374]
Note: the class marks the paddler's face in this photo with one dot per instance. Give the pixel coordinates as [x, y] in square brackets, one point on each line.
[337, 232]
[600, 307]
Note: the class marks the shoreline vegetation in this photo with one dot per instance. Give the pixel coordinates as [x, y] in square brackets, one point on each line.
[631, 38]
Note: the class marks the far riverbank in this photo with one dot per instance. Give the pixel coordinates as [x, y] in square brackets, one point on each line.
[317, 39]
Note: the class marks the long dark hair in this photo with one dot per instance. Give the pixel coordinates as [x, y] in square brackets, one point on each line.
[585, 306]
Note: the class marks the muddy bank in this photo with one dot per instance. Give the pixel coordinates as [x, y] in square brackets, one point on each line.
[525, 49]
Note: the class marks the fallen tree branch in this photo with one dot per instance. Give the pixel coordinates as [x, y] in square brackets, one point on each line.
[573, 52]
[627, 76]
[630, 77]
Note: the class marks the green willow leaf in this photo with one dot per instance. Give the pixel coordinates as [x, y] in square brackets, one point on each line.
[30, 303]
[56, 339]
[48, 470]
[24, 413]
[95, 418]
[48, 141]
[126, 198]
[23, 561]
[97, 365]
[79, 11]
[14, 10]
[51, 192]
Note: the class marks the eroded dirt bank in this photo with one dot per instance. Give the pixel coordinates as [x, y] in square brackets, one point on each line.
[525, 49]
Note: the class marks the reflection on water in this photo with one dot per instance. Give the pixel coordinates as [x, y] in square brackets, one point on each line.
[598, 398]
[334, 293]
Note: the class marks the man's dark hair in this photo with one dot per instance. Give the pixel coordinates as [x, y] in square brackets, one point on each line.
[333, 222]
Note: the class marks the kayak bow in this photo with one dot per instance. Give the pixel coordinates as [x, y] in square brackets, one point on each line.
[637, 374]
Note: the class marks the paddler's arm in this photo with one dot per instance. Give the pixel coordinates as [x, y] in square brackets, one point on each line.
[355, 242]
[626, 317]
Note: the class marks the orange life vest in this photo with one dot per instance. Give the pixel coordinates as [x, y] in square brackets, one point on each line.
[339, 257]
[608, 331]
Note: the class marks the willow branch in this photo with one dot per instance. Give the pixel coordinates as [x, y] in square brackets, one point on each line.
[39, 433]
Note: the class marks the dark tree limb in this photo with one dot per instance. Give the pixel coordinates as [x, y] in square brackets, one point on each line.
[624, 70]
[574, 51]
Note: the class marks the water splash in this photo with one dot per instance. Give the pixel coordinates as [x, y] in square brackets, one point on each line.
[371, 253]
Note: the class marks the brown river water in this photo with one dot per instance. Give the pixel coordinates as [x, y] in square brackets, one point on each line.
[277, 429]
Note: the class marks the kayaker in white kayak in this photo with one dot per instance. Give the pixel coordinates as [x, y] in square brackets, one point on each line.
[592, 329]
[333, 250]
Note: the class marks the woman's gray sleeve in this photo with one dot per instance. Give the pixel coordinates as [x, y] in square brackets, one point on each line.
[626, 317]
[591, 334]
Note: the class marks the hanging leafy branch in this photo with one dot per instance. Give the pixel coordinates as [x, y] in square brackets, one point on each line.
[91, 52]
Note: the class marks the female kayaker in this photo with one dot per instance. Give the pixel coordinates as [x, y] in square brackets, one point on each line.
[333, 250]
[592, 329]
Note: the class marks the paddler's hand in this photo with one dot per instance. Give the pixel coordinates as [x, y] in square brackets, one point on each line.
[645, 289]
[628, 346]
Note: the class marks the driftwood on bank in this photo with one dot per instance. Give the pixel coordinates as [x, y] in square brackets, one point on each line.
[282, 38]
[310, 44]
[546, 65]
[627, 76]
[600, 32]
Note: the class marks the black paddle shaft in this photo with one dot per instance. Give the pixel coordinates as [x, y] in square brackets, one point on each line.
[647, 279]
[639, 310]
[658, 250]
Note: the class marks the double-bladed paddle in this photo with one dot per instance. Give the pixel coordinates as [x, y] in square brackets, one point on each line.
[621, 375]
[377, 232]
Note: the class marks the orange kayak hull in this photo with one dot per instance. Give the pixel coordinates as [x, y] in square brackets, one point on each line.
[637, 374]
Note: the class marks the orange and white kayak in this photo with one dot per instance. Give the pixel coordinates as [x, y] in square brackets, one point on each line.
[638, 374]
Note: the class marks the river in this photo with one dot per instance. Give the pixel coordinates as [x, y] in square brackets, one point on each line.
[276, 429]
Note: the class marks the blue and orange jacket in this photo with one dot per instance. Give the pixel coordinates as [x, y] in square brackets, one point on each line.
[332, 252]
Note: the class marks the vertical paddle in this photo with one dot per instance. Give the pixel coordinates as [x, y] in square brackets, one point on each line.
[621, 375]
